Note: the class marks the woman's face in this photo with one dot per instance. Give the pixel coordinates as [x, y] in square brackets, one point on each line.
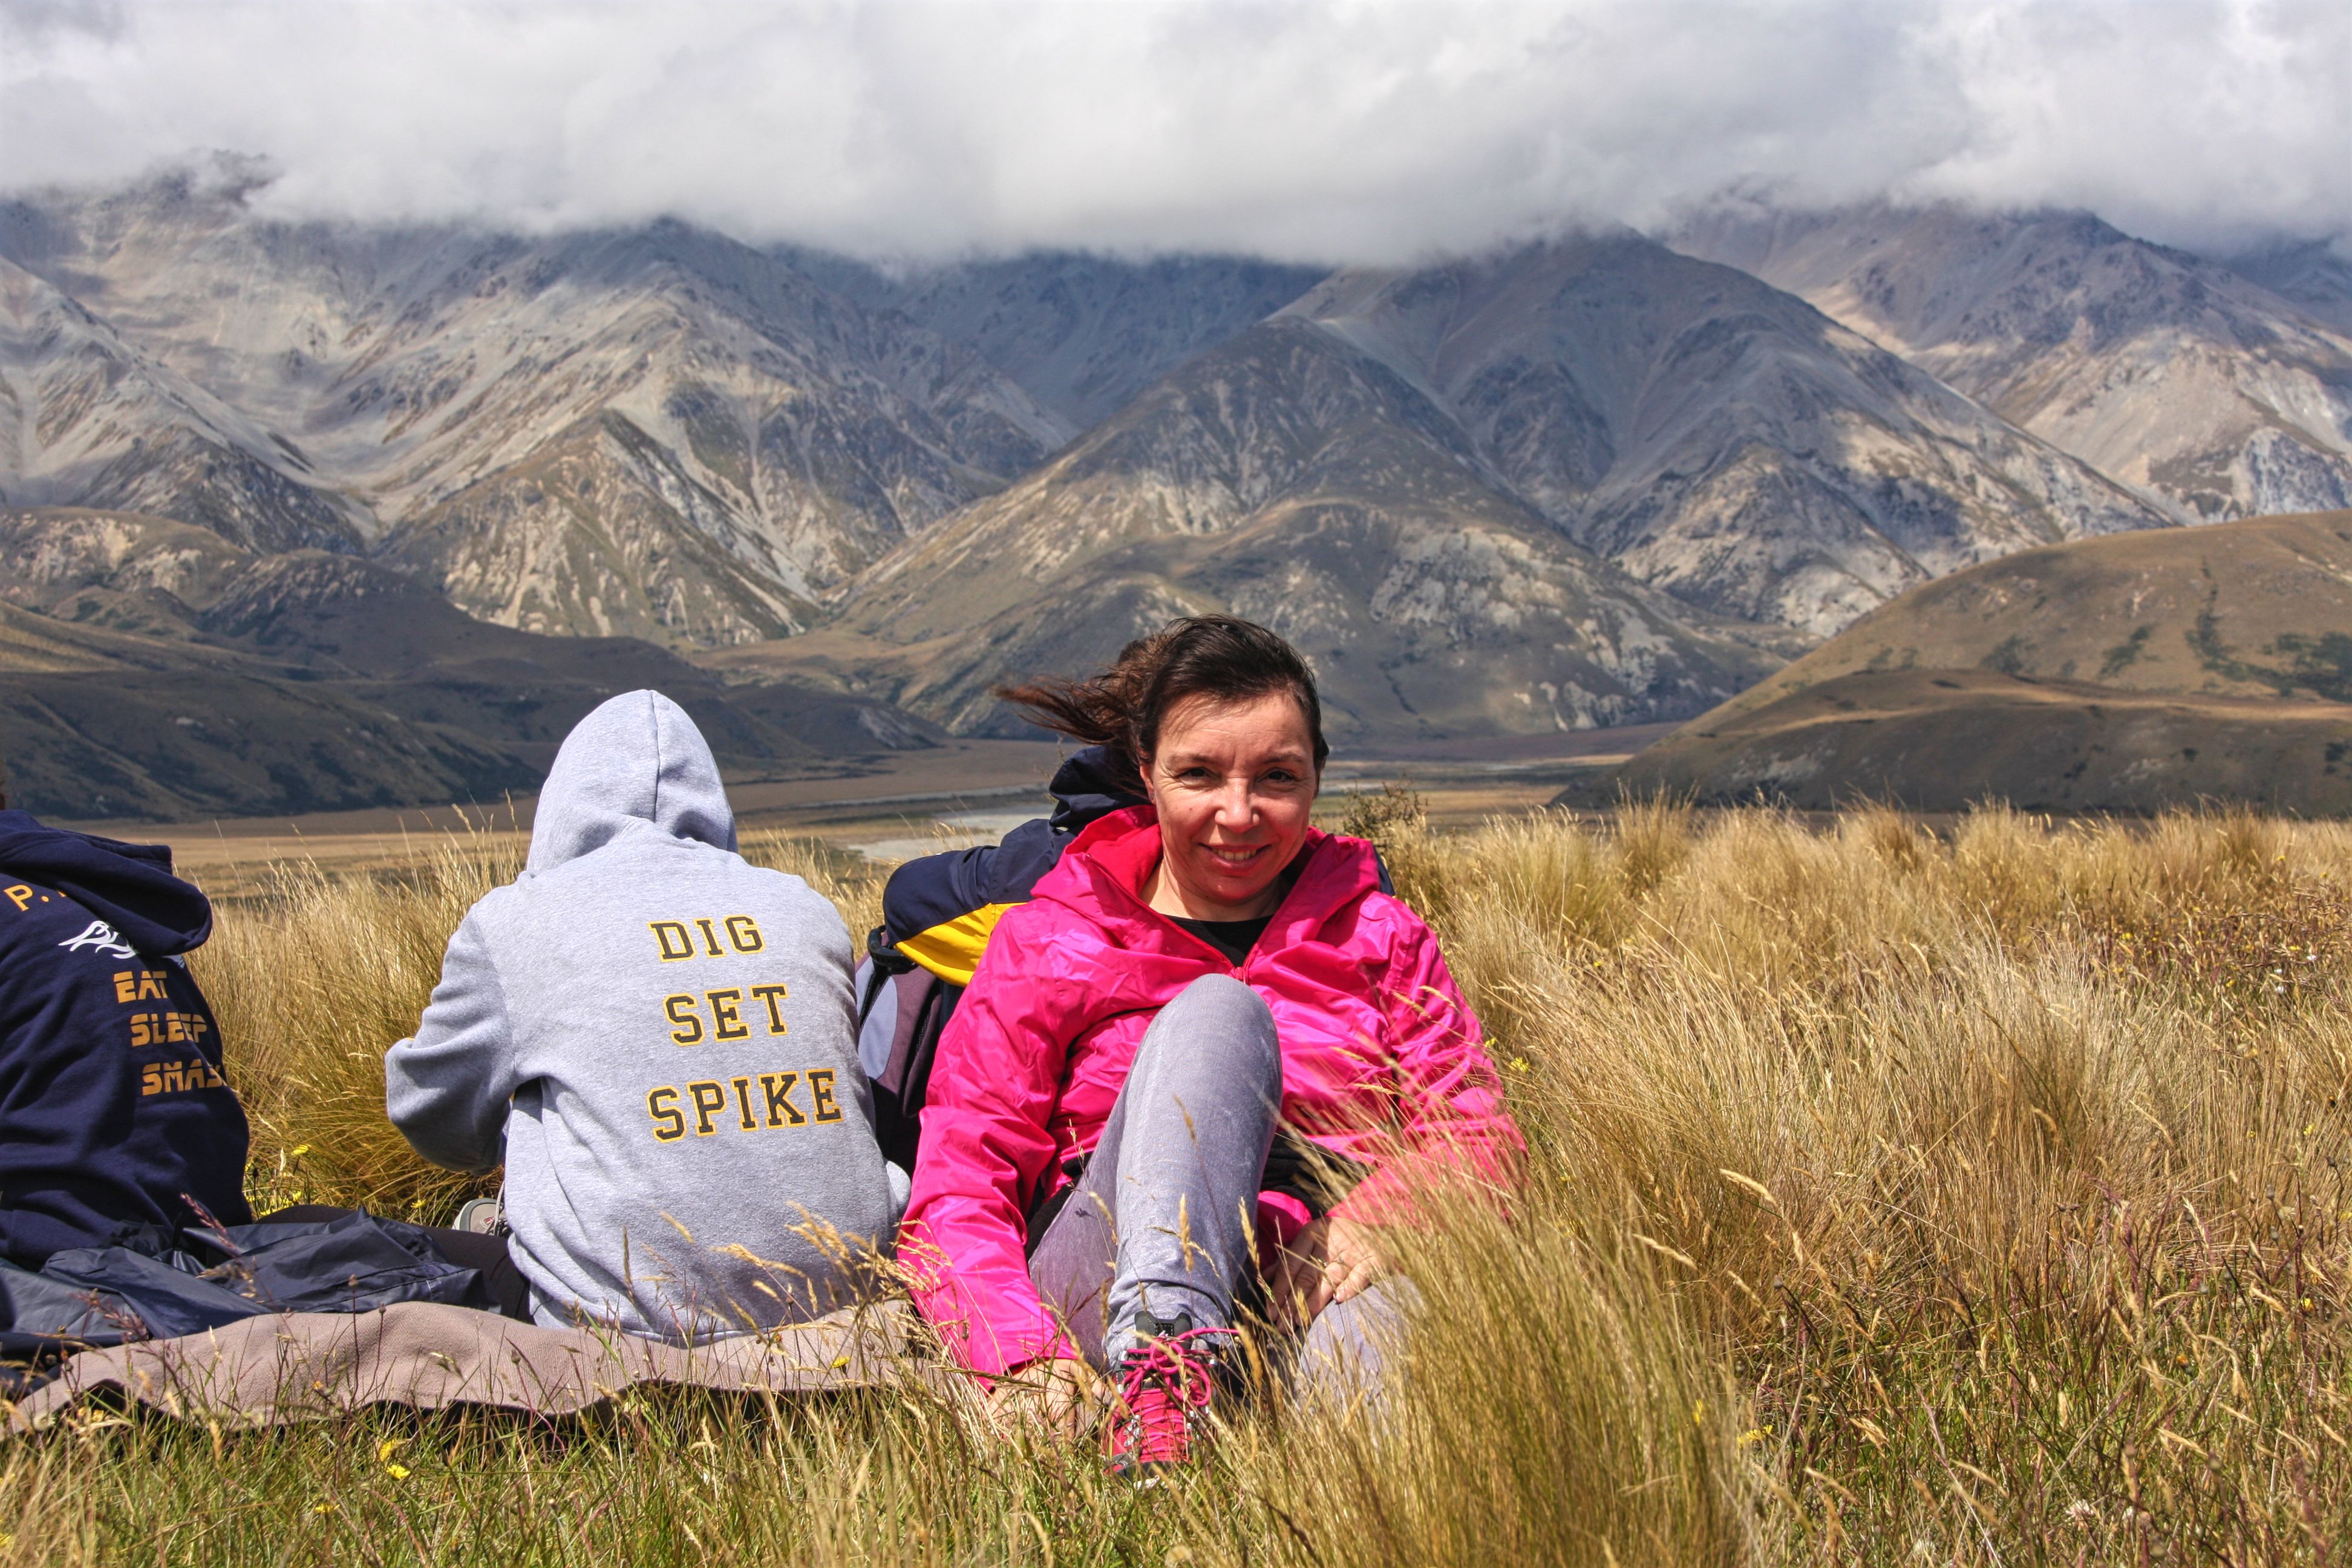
[1233, 782]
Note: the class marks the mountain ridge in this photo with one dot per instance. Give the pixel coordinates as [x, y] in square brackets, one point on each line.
[1286, 476]
[802, 438]
[2181, 377]
[1644, 402]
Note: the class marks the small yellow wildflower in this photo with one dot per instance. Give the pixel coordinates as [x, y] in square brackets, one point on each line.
[397, 1472]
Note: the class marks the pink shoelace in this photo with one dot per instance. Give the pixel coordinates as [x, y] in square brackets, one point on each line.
[1165, 1382]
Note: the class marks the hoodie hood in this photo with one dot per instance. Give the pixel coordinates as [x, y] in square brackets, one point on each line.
[129, 886]
[636, 764]
[952, 890]
[1090, 785]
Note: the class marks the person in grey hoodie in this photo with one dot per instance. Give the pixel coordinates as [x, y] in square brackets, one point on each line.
[658, 1039]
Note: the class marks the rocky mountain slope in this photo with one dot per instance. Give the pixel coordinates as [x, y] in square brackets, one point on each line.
[1577, 483]
[149, 669]
[1452, 487]
[1290, 477]
[2187, 380]
[2109, 674]
[1711, 435]
[659, 432]
[85, 417]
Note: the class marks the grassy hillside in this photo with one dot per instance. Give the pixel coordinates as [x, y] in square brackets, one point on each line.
[2257, 608]
[1890, 1198]
[148, 669]
[1943, 740]
[2118, 674]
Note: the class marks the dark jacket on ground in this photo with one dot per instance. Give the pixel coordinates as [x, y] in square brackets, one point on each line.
[112, 1108]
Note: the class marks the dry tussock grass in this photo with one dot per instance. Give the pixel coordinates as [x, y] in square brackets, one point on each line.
[1894, 1197]
[2005, 1171]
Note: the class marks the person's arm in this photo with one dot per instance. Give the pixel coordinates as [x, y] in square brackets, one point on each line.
[985, 1147]
[1453, 1129]
[448, 1089]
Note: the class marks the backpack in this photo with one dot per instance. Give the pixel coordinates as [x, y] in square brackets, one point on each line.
[938, 913]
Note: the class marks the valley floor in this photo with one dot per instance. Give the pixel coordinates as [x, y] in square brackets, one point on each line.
[887, 807]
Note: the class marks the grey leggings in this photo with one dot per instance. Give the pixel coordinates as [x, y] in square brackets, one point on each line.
[1164, 1217]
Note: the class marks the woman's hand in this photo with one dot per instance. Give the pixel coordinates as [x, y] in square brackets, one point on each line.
[1054, 1395]
[1333, 1259]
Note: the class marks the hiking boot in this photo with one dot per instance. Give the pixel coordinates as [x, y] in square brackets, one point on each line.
[1164, 1388]
[482, 1217]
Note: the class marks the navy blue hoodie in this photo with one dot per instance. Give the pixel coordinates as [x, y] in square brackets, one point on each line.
[112, 1108]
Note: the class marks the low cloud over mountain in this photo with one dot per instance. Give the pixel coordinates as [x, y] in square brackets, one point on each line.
[1323, 131]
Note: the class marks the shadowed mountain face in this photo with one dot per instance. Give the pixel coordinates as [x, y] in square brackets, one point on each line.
[148, 669]
[1713, 435]
[1945, 740]
[2315, 277]
[1084, 334]
[2190, 381]
[2108, 674]
[658, 432]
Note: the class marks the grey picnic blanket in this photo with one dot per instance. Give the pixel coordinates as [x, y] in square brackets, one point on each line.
[304, 1365]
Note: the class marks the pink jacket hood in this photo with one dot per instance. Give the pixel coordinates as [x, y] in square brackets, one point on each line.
[1382, 1062]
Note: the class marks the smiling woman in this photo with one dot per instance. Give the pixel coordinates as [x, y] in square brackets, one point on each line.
[1233, 783]
[1197, 1072]
[1220, 720]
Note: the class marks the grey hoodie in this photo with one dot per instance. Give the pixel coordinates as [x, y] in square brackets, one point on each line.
[660, 1036]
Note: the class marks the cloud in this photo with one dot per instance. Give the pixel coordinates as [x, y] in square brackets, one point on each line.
[1315, 129]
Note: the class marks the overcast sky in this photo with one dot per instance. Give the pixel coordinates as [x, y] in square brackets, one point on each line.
[1309, 129]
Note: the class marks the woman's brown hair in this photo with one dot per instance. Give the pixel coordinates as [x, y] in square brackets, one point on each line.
[1222, 658]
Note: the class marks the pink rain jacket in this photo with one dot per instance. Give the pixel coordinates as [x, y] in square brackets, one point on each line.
[1381, 1062]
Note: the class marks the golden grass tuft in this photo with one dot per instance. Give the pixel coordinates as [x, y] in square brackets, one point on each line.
[1973, 1195]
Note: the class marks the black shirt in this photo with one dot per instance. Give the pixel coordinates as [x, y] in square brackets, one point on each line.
[1233, 938]
[1316, 1176]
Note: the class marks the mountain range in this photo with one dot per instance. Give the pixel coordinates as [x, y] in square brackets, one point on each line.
[1603, 479]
